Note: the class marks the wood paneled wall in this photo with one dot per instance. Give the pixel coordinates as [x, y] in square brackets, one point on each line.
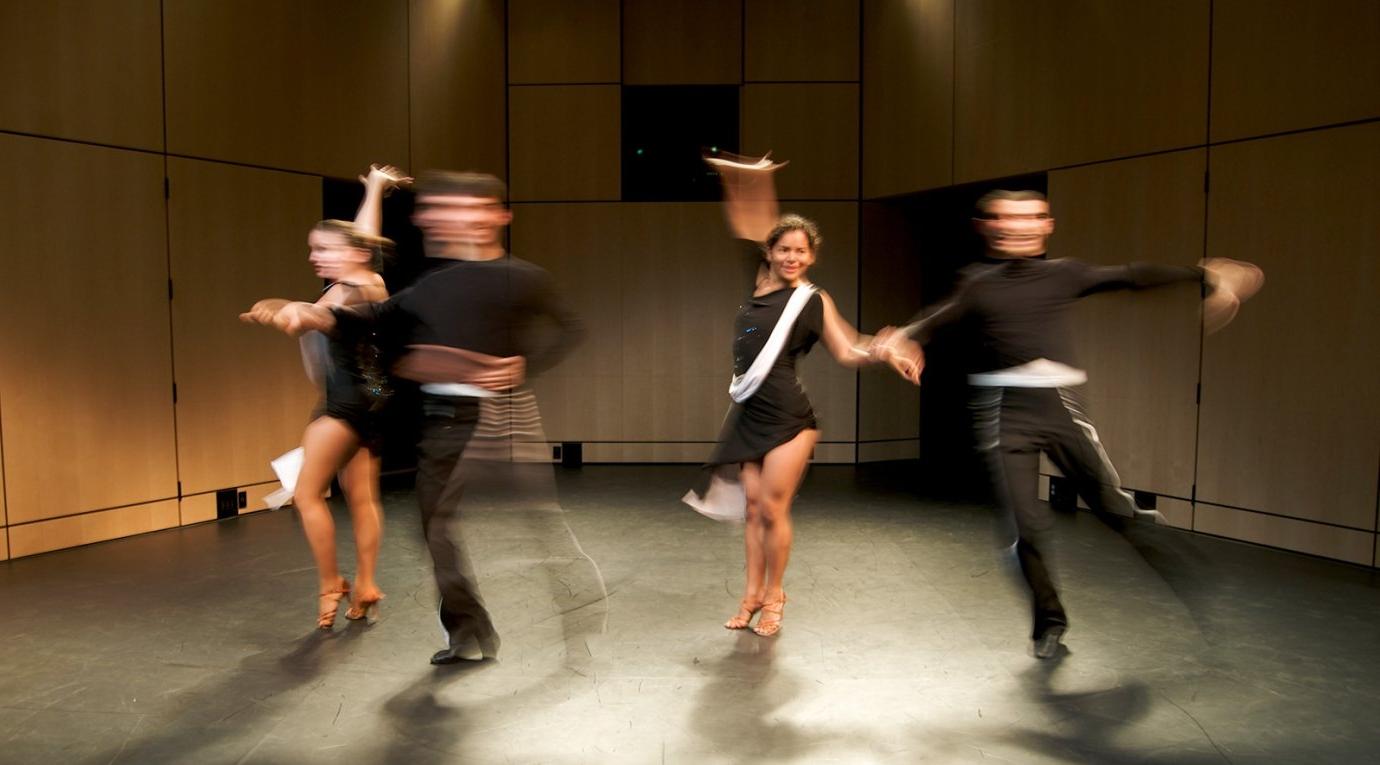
[128, 259]
[1289, 422]
[1140, 349]
[868, 99]
[1147, 162]
[907, 95]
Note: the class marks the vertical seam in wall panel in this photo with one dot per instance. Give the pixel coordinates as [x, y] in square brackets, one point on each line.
[407, 52]
[1376, 525]
[1202, 334]
[507, 118]
[858, 222]
[5, 508]
[953, 95]
[167, 251]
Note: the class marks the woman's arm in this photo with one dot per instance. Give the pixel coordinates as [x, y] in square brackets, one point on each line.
[749, 194]
[381, 178]
[843, 341]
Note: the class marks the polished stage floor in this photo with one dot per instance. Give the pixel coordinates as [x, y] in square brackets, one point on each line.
[904, 642]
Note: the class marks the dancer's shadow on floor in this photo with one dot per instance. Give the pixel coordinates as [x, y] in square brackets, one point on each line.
[1089, 724]
[735, 713]
[224, 717]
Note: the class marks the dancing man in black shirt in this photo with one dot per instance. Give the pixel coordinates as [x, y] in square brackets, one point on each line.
[1023, 396]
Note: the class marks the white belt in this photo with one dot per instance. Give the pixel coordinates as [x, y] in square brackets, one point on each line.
[457, 389]
[1040, 373]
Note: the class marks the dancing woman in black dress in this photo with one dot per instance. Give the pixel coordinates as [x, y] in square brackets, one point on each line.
[343, 434]
[770, 432]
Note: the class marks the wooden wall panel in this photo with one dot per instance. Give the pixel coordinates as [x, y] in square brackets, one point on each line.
[907, 72]
[788, 40]
[457, 106]
[1287, 533]
[83, 69]
[1290, 424]
[888, 451]
[683, 280]
[4, 543]
[565, 143]
[315, 85]
[889, 274]
[1140, 349]
[1043, 85]
[86, 383]
[238, 235]
[84, 529]
[1177, 513]
[1283, 65]
[815, 126]
[581, 399]
[557, 41]
[682, 42]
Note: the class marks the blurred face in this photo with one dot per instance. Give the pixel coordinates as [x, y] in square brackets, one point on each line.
[449, 220]
[1016, 229]
[791, 256]
[331, 254]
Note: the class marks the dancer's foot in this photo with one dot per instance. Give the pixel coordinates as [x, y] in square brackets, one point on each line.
[466, 650]
[772, 611]
[365, 604]
[329, 602]
[747, 608]
[1047, 645]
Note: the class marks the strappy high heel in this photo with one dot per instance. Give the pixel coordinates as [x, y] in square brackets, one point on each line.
[747, 608]
[365, 607]
[772, 612]
[328, 603]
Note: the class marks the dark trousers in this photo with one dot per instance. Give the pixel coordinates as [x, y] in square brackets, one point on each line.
[448, 425]
[1013, 426]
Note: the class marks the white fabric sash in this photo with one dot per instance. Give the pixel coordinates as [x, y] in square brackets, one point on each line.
[1040, 373]
[747, 383]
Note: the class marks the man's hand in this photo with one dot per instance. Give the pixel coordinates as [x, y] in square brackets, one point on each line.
[507, 373]
[1233, 282]
[899, 352]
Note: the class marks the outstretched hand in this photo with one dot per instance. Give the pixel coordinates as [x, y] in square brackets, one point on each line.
[1233, 282]
[287, 316]
[902, 354]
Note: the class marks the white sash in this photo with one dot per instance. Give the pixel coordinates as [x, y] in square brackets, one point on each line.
[747, 383]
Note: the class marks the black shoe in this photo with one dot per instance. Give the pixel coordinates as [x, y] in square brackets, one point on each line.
[1047, 645]
[467, 650]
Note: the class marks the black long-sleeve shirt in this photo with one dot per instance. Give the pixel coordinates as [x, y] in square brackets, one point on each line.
[495, 307]
[1020, 305]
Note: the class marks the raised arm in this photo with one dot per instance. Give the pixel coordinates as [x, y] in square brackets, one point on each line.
[381, 178]
[749, 185]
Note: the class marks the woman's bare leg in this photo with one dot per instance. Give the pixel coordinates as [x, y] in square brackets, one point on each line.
[782, 469]
[360, 480]
[326, 444]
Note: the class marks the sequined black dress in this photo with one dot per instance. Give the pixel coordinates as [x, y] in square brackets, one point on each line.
[354, 382]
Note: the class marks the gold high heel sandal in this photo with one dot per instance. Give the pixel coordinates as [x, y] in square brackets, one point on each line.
[366, 608]
[746, 610]
[772, 612]
[328, 603]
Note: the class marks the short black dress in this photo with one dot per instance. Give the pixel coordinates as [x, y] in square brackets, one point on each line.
[353, 379]
[780, 409]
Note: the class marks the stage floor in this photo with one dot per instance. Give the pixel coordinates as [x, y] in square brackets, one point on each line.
[904, 641]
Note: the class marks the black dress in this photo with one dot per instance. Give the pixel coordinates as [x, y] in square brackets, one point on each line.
[353, 378]
[780, 409]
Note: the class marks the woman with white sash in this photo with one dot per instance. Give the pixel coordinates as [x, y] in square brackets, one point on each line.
[770, 430]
